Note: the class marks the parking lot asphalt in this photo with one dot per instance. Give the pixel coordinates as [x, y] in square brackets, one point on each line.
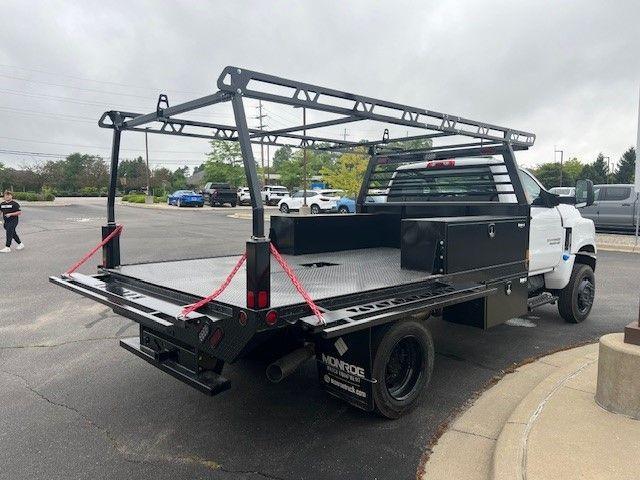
[74, 404]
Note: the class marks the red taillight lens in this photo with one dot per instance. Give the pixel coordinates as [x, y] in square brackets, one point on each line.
[271, 318]
[263, 299]
[251, 300]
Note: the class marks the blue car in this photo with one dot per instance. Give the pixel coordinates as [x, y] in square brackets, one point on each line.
[346, 205]
[185, 198]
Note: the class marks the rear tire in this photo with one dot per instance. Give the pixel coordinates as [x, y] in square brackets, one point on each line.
[315, 209]
[233, 204]
[402, 366]
[576, 299]
[343, 210]
[284, 208]
[179, 203]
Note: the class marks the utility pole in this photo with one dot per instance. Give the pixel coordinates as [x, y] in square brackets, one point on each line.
[262, 126]
[345, 135]
[608, 167]
[561, 152]
[146, 150]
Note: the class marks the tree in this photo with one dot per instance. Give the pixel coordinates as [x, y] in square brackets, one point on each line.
[625, 172]
[347, 173]
[217, 171]
[416, 144]
[224, 151]
[281, 156]
[179, 178]
[290, 173]
[133, 174]
[600, 170]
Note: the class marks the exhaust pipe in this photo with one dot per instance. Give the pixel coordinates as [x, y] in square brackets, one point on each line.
[288, 364]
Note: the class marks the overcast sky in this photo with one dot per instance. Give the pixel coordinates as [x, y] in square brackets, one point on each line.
[566, 70]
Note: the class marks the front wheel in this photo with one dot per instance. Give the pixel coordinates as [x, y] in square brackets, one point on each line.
[343, 210]
[402, 368]
[315, 209]
[284, 208]
[179, 203]
[576, 299]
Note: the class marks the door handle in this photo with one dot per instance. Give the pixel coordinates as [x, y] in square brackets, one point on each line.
[626, 205]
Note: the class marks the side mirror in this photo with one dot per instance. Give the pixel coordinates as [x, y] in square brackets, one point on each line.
[584, 193]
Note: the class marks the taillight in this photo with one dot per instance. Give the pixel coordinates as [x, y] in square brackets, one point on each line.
[263, 299]
[271, 318]
[441, 164]
[251, 300]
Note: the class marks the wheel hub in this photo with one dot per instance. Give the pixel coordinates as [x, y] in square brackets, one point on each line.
[403, 369]
[586, 293]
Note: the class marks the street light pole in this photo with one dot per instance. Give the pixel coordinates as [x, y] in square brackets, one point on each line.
[146, 150]
[561, 158]
[608, 167]
[304, 156]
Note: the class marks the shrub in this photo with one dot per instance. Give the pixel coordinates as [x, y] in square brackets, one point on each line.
[134, 198]
[34, 197]
[160, 199]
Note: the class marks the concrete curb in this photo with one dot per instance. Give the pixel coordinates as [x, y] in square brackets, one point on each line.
[43, 204]
[612, 247]
[510, 454]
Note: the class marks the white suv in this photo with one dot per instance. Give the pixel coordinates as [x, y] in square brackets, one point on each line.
[244, 196]
[318, 200]
[272, 194]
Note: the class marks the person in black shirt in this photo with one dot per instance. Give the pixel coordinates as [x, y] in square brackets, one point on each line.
[10, 213]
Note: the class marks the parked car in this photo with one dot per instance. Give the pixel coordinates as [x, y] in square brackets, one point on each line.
[244, 197]
[318, 200]
[185, 198]
[614, 206]
[564, 191]
[346, 205]
[272, 194]
[219, 194]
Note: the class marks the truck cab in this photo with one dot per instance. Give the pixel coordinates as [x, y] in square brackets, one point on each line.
[562, 245]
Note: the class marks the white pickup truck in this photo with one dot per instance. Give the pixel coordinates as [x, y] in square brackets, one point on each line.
[562, 244]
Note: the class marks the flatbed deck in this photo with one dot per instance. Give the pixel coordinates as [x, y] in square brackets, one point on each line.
[323, 275]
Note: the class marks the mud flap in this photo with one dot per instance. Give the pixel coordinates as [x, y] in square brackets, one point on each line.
[345, 367]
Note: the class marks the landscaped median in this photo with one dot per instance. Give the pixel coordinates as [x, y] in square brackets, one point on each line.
[540, 422]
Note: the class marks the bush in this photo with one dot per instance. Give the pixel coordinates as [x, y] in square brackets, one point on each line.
[133, 198]
[34, 197]
[160, 199]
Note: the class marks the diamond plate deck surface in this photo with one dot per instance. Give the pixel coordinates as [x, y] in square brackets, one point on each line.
[356, 271]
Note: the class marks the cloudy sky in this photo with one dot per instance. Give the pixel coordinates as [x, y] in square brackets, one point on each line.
[565, 70]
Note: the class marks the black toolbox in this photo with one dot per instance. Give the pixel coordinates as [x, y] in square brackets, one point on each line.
[456, 244]
[303, 234]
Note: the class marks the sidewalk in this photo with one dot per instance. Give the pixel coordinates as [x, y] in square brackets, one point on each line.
[540, 422]
[617, 243]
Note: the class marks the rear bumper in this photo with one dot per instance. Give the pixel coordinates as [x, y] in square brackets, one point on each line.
[208, 381]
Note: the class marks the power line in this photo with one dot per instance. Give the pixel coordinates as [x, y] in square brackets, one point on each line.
[105, 82]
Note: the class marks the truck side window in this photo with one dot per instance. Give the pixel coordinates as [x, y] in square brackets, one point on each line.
[616, 193]
[531, 187]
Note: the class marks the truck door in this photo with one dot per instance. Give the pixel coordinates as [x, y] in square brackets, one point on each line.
[616, 207]
[591, 212]
[546, 234]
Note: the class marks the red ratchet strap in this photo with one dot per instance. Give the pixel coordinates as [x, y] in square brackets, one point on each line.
[296, 283]
[194, 306]
[92, 252]
[287, 269]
